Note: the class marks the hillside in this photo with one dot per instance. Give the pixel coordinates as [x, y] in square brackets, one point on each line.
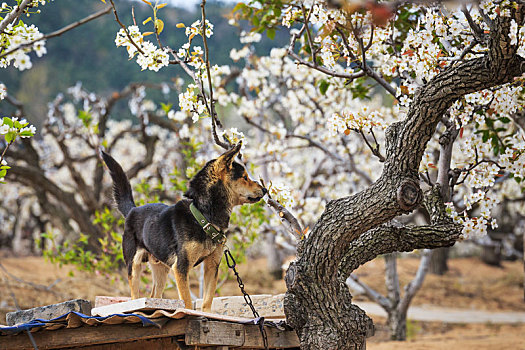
[88, 53]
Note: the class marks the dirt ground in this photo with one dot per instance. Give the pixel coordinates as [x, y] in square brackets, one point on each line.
[469, 284]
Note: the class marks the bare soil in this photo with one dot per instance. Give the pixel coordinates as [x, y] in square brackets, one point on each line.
[469, 284]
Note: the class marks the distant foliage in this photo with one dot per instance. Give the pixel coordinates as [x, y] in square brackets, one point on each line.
[108, 261]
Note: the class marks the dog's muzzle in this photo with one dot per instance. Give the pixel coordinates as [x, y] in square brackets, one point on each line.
[256, 199]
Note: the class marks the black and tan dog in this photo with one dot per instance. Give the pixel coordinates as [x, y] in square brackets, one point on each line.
[170, 236]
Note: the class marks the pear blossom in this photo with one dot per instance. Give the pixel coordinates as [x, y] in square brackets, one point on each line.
[3, 91]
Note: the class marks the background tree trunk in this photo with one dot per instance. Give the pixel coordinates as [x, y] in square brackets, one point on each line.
[396, 320]
[397, 323]
[274, 257]
[491, 254]
[438, 262]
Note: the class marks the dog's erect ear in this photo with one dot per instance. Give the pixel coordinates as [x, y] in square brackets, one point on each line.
[226, 159]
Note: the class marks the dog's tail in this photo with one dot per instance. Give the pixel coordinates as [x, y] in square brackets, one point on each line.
[121, 187]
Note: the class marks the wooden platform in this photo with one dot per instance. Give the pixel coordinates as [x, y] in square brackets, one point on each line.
[227, 327]
[175, 334]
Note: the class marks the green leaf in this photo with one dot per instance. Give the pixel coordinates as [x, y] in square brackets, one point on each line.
[10, 137]
[486, 135]
[360, 89]
[323, 86]
[239, 6]
[8, 121]
[147, 20]
[83, 238]
[489, 122]
[270, 33]
[166, 107]
[85, 116]
[159, 25]
[495, 143]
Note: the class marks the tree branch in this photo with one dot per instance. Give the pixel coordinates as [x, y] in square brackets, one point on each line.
[371, 293]
[13, 15]
[35, 178]
[365, 69]
[476, 29]
[413, 286]
[294, 227]
[308, 34]
[314, 65]
[375, 150]
[394, 237]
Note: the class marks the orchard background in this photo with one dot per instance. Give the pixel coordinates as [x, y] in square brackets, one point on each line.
[378, 128]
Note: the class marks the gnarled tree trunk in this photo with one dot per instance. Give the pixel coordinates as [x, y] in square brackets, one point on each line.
[349, 232]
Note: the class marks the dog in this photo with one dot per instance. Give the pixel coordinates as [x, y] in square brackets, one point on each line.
[170, 236]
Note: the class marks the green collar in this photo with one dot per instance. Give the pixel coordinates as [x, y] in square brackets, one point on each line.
[216, 236]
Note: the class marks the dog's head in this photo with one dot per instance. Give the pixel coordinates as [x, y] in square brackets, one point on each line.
[223, 177]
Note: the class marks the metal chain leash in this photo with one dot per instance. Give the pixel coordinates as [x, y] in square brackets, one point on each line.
[230, 261]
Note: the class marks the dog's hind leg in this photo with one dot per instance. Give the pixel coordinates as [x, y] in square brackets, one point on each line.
[133, 259]
[211, 267]
[159, 272]
[134, 273]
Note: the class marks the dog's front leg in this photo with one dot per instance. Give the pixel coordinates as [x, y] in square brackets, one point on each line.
[211, 268]
[183, 285]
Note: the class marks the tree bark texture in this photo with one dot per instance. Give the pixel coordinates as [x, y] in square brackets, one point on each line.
[349, 232]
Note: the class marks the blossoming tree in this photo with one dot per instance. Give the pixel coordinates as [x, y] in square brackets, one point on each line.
[455, 71]
[379, 94]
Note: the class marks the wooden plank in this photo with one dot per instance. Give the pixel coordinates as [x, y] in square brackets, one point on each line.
[168, 343]
[142, 304]
[208, 333]
[269, 306]
[86, 335]
[101, 300]
[276, 338]
[204, 332]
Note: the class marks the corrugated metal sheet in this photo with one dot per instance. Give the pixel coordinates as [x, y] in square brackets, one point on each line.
[156, 318]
